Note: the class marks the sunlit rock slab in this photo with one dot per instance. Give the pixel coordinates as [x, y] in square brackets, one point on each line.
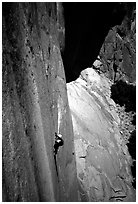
[103, 160]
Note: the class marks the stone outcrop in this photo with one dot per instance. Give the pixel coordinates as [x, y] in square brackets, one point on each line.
[35, 106]
[117, 57]
[103, 160]
[117, 60]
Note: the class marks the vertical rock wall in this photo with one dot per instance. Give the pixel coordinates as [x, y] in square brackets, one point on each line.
[35, 106]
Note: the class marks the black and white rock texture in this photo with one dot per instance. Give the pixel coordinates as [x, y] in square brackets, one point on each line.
[93, 162]
[117, 57]
[103, 160]
[35, 106]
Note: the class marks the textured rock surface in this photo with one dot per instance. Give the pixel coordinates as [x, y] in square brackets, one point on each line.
[103, 160]
[117, 57]
[94, 162]
[35, 106]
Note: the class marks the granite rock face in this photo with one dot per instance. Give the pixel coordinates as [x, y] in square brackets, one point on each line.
[117, 60]
[103, 160]
[93, 162]
[35, 106]
[117, 57]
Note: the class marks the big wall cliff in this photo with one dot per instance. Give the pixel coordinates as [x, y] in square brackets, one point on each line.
[35, 106]
[93, 163]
